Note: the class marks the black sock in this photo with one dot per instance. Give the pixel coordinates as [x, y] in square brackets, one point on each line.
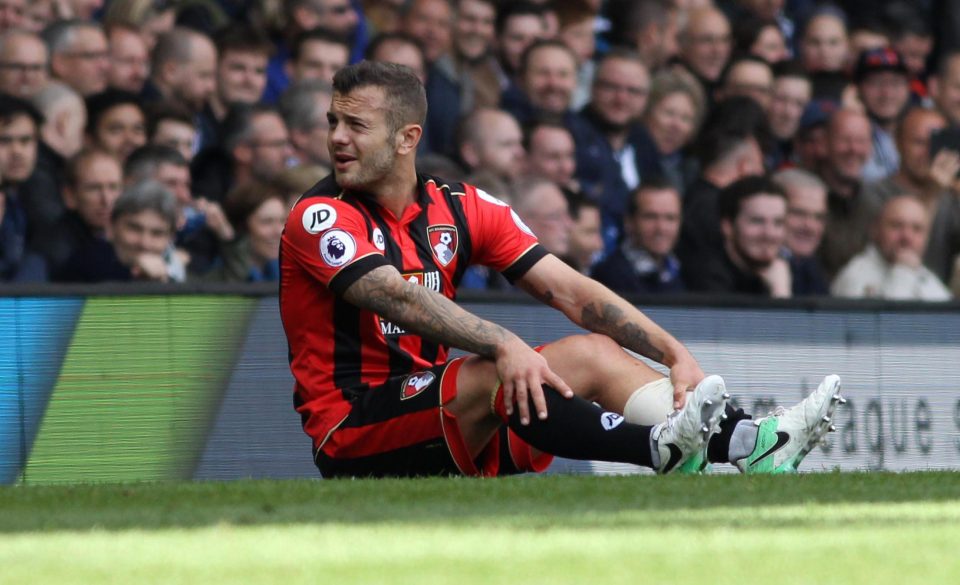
[577, 429]
[718, 451]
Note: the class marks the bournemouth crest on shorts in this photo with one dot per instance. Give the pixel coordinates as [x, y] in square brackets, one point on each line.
[416, 383]
[443, 242]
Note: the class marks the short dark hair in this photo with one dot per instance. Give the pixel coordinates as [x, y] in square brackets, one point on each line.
[629, 17]
[143, 162]
[403, 91]
[541, 44]
[746, 31]
[732, 198]
[13, 107]
[237, 126]
[541, 122]
[161, 111]
[100, 103]
[790, 68]
[577, 202]
[730, 123]
[738, 60]
[72, 173]
[396, 37]
[317, 34]
[242, 38]
[509, 10]
[652, 183]
[244, 199]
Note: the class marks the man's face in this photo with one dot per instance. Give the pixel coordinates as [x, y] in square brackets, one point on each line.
[884, 95]
[519, 32]
[403, 53]
[620, 90]
[581, 39]
[656, 225]
[915, 50]
[85, 65]
[671, 121]
[586, 243]
[500, 146]
[757, 233]
[903, 227]
[946, 91]
[824, 47]
[12, 14]
[362, 145]
[550, 79]
[550, 219]
[658, 45]
[552, 154]
[849, 145]
[195, 82]
[338, 16]
[271, 146]
[707, 43]
[18, 149]
[176, 178]
[176, 135]
[99, 181]
[474, 28]
[23, 66]
[789, 98]
[121, 130]
[241, 77]
[770, 45]
[265, 227]
[806, 219]
[320, 60]
[754, 80]
[129, 61]
[134, 234]
[812, 148]
[914, 143]
[429, 21]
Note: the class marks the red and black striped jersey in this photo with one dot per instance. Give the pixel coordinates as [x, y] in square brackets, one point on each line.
[333, 237]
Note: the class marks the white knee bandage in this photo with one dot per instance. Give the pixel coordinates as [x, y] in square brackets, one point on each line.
[650, 404]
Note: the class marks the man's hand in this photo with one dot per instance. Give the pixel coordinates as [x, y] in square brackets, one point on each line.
[150, 267]
[216, 219]
[944, 169]
[685, 375]
[908, 258]
[523, 372]
[778, 278]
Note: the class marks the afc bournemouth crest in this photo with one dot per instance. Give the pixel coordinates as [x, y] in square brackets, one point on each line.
[443, 242]
[415, 384]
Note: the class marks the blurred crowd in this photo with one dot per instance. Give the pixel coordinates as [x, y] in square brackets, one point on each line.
[775, 148]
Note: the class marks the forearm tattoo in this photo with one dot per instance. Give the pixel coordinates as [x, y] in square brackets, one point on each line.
[425, 312]
[607, 318]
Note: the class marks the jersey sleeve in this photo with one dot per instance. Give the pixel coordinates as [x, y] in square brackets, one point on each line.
[330, 240]
[501, 240]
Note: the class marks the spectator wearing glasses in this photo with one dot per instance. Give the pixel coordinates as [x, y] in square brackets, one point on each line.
[78, 55]
[805, 222]
[23, 63]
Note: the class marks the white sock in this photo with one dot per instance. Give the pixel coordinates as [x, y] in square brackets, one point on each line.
[743, 440]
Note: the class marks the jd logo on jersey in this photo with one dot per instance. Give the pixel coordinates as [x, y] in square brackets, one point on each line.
[443, 242]
[415, 384]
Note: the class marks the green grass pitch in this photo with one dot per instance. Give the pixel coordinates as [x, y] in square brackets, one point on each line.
[849, 528]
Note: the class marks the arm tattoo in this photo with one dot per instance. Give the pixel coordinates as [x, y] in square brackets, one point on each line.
[423, 311]
[610, 320]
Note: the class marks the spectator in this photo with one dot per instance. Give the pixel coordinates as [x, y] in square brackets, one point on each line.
[586, 245]
[551, 154]
[304, 109]
[675, 109]
[12, 14]
[402, 49]
[728, 150]
[183, 70]
[78, 55]
[806, 219]
[912, 38]
[945, 87]
[851, 212]
[474, 42]
[116, 122]
[890, 267]
[129, 59]
[491, 140]
[201, 224]
[23, 63]
[760, 37]
[810, 149]
[753, 212]
[93, 182]
[884, 91]
[61, 137]
[649, 26]
[747, 76]
[38, 15]
[866, 34]
[576, 20]
[295, 181]
[705, 46]
[824, 45]
[170, 124]
[430, 22]
[142, 225]
[548, 79]
[933, 179]
[791, 93]
[149, 17]
[519, 25]
[241, 69]
[317, 55]
[259, 211]
[543, 208]
[644, 262]
[82, 9]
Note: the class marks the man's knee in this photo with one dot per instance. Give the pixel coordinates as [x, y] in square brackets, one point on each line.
[589, 345]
